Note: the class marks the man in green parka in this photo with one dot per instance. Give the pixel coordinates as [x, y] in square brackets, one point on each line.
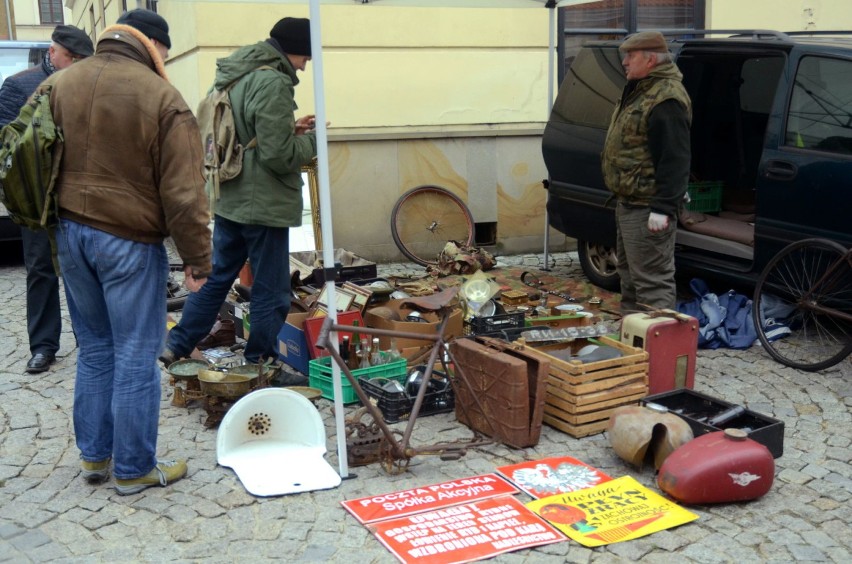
[256, 209]
[645, 163]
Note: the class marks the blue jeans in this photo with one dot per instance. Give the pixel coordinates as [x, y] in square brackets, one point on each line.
[117, 300]
[267, 249]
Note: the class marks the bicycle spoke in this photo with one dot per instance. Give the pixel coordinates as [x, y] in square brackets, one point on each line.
[809, 286]
[425, 218]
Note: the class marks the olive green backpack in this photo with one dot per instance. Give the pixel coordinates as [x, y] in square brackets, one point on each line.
[223, 152]
[30, 152]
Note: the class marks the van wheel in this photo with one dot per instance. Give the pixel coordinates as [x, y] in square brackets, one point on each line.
[598, 264]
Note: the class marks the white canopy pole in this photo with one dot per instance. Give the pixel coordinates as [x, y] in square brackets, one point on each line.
[325, 223]
[551, 57]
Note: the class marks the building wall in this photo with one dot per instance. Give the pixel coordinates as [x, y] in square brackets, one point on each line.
[782, 15]
[27, 23]
[449, 96]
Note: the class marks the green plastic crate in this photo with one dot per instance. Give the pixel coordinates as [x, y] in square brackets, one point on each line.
[319, 376]
[705, 196]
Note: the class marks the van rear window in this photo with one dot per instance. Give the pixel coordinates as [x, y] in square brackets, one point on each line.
[590, 89]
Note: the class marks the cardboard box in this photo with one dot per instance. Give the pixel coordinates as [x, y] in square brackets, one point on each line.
[313, 325]
[454, 326]
[292, 344]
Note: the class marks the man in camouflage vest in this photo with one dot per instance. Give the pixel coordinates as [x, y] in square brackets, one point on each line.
[646, 165]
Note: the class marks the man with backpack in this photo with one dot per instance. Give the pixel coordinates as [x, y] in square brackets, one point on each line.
[129, 177]
[255, 210]
[44, 323]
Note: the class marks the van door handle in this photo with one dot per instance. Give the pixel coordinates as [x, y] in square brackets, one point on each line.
[780, 170]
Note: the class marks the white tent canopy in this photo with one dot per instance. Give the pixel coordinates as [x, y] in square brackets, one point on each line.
[322, 134]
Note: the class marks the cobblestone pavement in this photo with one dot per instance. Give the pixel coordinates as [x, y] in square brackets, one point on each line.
[48, 513]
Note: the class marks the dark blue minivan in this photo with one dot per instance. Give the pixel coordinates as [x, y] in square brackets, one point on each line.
[771, 151]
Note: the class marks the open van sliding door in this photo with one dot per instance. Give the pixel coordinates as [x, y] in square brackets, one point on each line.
[732, 88]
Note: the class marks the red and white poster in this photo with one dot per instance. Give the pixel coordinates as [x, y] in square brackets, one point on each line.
[426, 498]
[551, 476]
[464, 533]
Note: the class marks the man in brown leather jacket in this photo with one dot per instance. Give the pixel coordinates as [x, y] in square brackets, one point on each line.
[130, 176]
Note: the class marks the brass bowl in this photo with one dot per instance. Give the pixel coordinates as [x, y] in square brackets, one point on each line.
[234, 384]
[187, 369]
[312, 394]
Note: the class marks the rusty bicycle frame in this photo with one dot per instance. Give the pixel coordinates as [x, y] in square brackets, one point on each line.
[400, 451]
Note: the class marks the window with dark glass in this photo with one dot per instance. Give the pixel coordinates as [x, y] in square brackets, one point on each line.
[591, 89]
[50, 11]
[820, 115]
[613, 19]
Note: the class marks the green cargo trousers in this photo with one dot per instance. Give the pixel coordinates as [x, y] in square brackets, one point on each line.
[645, 260]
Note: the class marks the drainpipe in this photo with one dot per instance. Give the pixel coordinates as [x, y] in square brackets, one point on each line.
[9, 20]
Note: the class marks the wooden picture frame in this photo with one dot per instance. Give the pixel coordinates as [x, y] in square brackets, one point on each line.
[361, 295]
[343, 298]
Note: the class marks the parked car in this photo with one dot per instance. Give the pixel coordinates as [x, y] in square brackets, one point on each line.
[771, 151]
[16, 56]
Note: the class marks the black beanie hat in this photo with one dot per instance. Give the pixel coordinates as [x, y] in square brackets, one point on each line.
[293, 35]
[152, 24]
[73, 39]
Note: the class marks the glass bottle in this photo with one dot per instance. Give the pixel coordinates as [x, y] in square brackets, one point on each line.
[393, 352]
[376, 357]
[365, 353]
[354, 348]
[344, 350]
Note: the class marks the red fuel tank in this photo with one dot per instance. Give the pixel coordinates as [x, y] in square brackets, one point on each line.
[719, 467]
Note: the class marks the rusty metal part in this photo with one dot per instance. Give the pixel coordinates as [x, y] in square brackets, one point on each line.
[434, 302]
[394, 465]
[184, 391]
[216, 409]
[364, 439]
[639, 433]
[530, 280]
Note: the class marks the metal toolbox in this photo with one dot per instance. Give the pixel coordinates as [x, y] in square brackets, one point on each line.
[697, 409]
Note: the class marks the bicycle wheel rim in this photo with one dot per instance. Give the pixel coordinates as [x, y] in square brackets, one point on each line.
[795, 284]
[425, 218]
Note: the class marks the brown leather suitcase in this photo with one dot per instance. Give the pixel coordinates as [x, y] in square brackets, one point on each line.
[510, 385]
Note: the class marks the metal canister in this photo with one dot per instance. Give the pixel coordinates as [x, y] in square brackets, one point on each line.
[719, 467]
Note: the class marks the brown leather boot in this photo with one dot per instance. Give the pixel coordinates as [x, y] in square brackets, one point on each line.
[221, 335]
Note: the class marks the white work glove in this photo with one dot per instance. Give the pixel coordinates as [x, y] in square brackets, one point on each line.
[657, 222]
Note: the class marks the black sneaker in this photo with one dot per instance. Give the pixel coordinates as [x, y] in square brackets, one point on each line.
[285, 379]
[167, 358]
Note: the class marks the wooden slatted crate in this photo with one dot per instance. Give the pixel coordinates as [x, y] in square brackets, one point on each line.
[581, 397]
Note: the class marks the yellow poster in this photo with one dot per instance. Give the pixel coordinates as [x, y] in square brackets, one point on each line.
[615, 511]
